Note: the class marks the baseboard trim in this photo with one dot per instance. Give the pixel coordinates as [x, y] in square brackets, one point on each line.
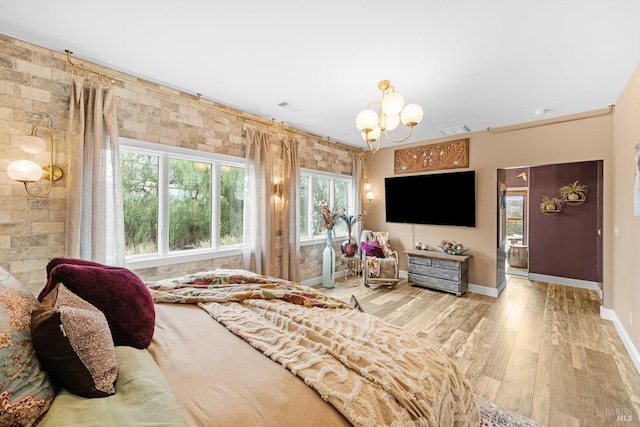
[318, 280]
[485, 290]
[476, 289]
[576, 283]
[609, 314]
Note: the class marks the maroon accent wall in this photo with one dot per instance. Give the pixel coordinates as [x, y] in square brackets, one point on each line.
[566, 244]
[514, 181]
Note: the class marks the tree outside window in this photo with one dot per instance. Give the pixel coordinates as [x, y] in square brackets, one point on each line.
[178, 200]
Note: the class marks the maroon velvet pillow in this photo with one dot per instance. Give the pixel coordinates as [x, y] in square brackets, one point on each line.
[372, 249]
[62, 260]
[117, 292]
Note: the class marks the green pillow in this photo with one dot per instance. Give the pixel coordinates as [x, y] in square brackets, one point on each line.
[143, 398]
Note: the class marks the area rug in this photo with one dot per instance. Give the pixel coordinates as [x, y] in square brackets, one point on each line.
[493, 415]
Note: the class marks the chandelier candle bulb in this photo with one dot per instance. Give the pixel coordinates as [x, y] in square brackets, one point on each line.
[411, 115]
[367, 120]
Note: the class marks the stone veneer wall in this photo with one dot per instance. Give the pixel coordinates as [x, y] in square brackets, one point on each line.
[34, 89]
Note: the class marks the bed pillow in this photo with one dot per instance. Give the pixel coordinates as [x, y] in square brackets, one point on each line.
[73, 341]
[26, 390]
[117, 292]
[372, 249]
[143, 398]
[64, 260]
[54, 262]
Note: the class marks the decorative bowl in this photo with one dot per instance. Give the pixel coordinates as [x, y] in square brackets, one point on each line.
[453, 248]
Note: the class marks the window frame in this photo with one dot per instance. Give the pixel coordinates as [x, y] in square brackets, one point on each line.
[165, 153]
[311, 173]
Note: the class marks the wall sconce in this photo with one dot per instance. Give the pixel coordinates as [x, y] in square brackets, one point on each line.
[369, 194]
[26, 171]
[277, 188]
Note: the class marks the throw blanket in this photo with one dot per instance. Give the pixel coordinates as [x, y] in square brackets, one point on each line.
[374, 373]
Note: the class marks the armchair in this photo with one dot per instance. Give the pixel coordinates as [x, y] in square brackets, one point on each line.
[379, 262]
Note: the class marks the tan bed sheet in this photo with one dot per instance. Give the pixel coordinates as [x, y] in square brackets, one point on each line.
[220, 380]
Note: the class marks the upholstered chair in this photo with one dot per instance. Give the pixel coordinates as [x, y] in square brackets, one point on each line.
[379, 260]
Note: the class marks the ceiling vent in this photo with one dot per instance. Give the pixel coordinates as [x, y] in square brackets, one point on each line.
[455, 130]
[289, 106]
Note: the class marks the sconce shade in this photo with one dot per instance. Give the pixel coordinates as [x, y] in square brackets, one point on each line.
[370, 195]
[367, 186]
[32, 144]
[411, 115]
[24, 171]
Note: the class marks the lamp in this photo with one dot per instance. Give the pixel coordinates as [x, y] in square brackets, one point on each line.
[369, 194]
[27, 171]
[391, 110]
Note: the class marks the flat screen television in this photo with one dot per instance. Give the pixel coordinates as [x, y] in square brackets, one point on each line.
[438, 199]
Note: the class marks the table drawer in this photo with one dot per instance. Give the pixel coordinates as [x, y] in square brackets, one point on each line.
[440, 273]
[433, 282]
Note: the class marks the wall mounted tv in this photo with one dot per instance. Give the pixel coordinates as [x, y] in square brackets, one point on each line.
[438, 199]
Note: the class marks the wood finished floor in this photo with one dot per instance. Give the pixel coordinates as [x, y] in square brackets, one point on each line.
[539, 349]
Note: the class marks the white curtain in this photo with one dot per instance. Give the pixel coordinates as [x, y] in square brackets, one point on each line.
[95, 224]
[290, 211]
[358, 183]
[259, 209]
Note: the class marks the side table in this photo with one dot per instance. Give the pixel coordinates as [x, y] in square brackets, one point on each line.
[353, 264]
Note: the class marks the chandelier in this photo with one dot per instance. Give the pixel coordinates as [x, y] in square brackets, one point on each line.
[391, 110]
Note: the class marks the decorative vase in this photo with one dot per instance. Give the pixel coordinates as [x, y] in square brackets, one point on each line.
[328, 263]
[349, 248]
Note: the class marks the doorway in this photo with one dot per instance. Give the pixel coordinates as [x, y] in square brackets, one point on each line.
[561, 247]
[516, 212]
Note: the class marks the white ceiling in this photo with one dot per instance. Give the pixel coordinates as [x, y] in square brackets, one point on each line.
[466, 62]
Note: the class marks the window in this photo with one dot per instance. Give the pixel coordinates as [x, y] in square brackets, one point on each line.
[316, 186]
[179, 202]
[516, 210]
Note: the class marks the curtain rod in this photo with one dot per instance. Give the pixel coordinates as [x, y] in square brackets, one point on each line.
[78, 68]
[503, 129]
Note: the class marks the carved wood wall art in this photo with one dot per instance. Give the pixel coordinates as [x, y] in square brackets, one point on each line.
[446, 155]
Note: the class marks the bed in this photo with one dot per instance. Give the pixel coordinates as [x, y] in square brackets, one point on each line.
[234, 348]
[335, 365]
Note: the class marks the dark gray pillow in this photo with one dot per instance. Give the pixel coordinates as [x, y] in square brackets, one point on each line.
[73, 341]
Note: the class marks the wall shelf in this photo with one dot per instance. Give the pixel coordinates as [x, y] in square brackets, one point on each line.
[575, 202]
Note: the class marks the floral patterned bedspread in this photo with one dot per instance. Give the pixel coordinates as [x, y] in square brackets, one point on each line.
[372, 372]
[223, 285]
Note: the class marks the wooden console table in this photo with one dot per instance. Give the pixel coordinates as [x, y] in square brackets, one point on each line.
[439, 270]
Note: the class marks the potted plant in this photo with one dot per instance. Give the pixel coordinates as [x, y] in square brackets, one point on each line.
[575, 192]
[550, 205]
[350, 247]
